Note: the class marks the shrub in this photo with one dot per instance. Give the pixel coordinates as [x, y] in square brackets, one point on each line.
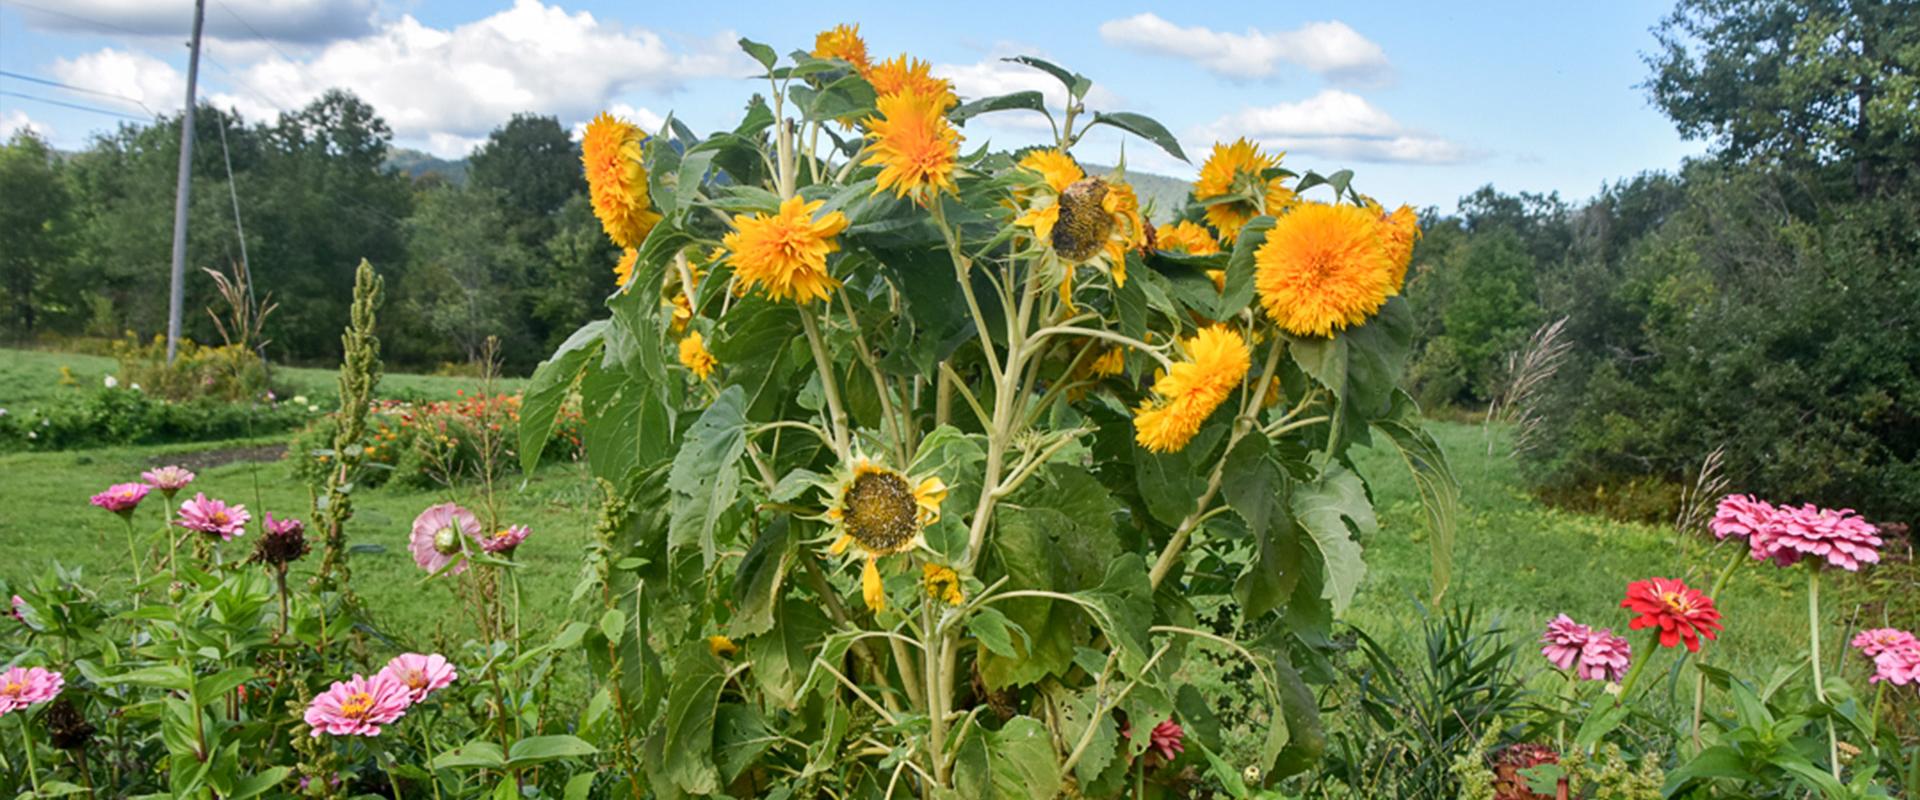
[424, 444]
[229, 372]
[124, 416]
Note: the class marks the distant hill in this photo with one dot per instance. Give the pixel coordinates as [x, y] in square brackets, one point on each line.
[1160, 195]
[416, 163]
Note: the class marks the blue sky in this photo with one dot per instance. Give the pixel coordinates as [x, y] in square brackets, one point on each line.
[1426, 102]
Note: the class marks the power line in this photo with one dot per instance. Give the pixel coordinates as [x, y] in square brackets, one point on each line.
[78, 106]
[83, 89]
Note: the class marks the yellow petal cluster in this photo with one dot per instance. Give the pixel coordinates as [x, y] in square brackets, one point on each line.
[694, 356]
[842, 42]
[611, 152]
[785, 253]
[1323, 268]
[913, 144]
[943, 584]
[1185, 395]
[1186, 237]
[1229, 166]
[906, 75]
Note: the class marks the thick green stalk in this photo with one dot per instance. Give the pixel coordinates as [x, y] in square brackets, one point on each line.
[1819, 680]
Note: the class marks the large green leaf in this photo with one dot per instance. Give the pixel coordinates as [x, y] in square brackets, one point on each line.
[756, 584]
[1361, 367]
[1331, 510]
[541, 749]
[1123, 604]
[1015, 762]
[1030, 100]
[706, 477]
[1144, 127]
[552, 381]
[1171, 483]
[1055, 534]
[1076, 83]
[1255, 488]
[783, 656]
[692, 702]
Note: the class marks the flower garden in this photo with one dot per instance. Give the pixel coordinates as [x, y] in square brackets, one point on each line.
[919, 470]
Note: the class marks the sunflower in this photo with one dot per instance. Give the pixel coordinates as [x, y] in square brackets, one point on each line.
[786, 251]
[1186, 237]
[880, 512]
[694, 356]
[1401, 231]
[1232, 168]
[915, 144]
[943, 584]
[623, 269]
[842, 42]
[904, 75]
[1185, 395]
[1323, 268]
[617, 180]
[1093, 221]
[1111, 362]
[1056, 168]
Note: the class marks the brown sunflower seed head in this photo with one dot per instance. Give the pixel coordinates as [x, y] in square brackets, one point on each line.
[1084, 224]
[880, 512]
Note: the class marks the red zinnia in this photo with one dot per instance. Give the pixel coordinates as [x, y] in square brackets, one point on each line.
[1681, 613]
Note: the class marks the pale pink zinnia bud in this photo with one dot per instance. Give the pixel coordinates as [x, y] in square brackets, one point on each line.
[358, 707]
[504, 541]
[122, 498]
[21, 687]
[1605, 657]
[213, 517]
[1841, 537]
[1563, 639]
[422, 674]
[168, 479]
[436, 538]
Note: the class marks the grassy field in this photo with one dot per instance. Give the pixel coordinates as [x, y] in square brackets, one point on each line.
[30, 377]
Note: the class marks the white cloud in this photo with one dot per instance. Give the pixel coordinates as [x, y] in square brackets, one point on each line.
[643, 117]
[1336, 124]
[997, 76]
[448, 87]
[1330, 49]
[152, 86]
[304, 21]
[13, 120]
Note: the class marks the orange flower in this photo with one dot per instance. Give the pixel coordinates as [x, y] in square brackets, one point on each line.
[842, 42]
[786, 252]
[914, 143]
[1322, 268]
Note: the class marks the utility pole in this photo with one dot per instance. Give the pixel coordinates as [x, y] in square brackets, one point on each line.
[177, 292]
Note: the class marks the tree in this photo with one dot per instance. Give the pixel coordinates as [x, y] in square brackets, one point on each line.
[35, 222]
[532, 163]
[465, 274]
[1813, 82]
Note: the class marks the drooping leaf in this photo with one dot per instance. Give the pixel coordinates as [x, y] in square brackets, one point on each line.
[757, 582]
[1030, 100]
[1240, 268]
[1433, 478]
[1015, 762]
[1144, 127]
[692, 702]
[706, 478]
[782, 656]
[541, 749]
[547, 391]
[1331, 510]
[1076, 83]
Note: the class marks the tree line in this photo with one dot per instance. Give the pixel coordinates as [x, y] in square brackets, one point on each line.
[513, 252]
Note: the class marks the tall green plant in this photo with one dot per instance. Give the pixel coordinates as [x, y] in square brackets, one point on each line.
[359, 374]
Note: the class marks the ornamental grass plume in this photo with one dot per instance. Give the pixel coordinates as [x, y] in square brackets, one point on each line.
[1187, 393]
[358, 706]
[22, 687]
[785, 253]
[1679, 612]
[436, 540]
[168, 479]
[121, 498]
[213, 517]
[421, 673]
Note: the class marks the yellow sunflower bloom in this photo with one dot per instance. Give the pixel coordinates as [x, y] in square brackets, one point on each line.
[1108, 364]
[915, 145]
[1056, 168]
[1229, 168]
[1402, 230]
[943, 584]
[694, 356]
[842, 42]
[721, 646]
[880, 512]
[1184, 396]
[617, 180]
[786, 252]
[1323, 268]
[623, 269]
[904, 75]
[1186, 237]
[682, 311]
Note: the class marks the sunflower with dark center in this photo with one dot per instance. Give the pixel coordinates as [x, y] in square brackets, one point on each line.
[881, 512]
[1078, 219]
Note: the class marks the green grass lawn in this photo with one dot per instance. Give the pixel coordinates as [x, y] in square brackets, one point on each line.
[31, 377]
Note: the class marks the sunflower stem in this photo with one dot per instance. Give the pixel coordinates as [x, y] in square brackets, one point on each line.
[1819, 680]
[836, 414]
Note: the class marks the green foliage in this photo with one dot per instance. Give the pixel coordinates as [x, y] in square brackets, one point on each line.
[225, 373]
[124, 416]
[36, 229]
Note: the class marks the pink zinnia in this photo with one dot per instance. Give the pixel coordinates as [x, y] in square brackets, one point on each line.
[23, 687]
[1841, 537]
[122, 498]
[168, 479]
[1873, 642]
[213, 517]
[358, 707]
[1898, 665]
[436, 537]
[421, 674]
[1166, 739]
[504, 541]
[1563, 639]
[1740, 515]
[1605, 657]
[283, 527]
